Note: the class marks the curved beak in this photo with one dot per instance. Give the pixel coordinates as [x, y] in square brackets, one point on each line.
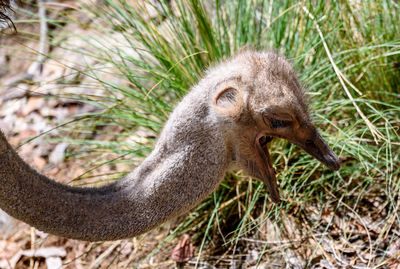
[316, 146]
[309, 140]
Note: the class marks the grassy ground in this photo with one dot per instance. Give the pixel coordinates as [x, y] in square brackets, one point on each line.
[144, 58]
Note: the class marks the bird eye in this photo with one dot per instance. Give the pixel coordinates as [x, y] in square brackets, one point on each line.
[277, 123]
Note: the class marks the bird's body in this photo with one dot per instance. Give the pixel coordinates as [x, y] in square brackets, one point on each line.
[220, 124]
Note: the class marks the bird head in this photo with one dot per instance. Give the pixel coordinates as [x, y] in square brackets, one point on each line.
[259, 97]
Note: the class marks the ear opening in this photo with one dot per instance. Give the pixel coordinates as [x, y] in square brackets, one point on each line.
[229, 101]
[227, 97]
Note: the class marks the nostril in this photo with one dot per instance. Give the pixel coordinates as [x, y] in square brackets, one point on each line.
[309, 142]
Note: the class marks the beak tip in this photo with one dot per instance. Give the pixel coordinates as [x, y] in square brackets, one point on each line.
[336, 168]
[275, 199]
[333, 162]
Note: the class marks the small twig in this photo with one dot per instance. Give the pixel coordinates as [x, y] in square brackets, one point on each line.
[36, 67]
[33, 241]
[22, 93]
[18, 78]
[202, 263]
[104, 255]
[394, 258]
[333, 250]
[157, 265]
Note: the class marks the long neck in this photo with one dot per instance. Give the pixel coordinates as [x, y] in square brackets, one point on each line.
[185, 166]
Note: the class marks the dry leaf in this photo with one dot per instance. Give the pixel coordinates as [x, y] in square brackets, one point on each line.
[34, 103]
[39, 162]
[183, 251]
[394, 248]
[25, 134]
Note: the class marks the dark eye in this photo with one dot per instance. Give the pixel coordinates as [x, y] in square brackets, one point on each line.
[276, 123]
